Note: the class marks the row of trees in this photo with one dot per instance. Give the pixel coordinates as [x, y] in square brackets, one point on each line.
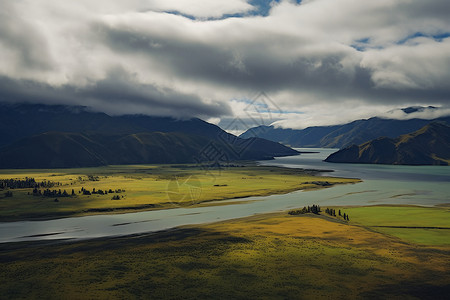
[52, 193]
[100, 192]
[332, 212]
[26, 183]
[315, 209]
[64, 193]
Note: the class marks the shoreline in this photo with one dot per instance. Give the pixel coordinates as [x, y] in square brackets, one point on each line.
[259, 217]
[247, 219]
[156, 207]
[236, 184]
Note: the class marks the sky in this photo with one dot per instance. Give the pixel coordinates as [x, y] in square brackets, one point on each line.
[236, 63]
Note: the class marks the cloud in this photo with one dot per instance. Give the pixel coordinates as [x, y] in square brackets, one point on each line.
[417, 112]
[118, 93]
[201, 8]
[331, 60]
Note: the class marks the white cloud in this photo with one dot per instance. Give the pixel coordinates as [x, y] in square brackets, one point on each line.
[421, 64]
[427, 113]
[201, 8]
[303, 56]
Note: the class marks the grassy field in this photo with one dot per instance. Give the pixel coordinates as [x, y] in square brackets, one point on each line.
[424, 225]
[274, 256]
[149, 187]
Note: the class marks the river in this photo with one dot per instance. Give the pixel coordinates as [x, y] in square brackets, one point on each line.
[382, 184]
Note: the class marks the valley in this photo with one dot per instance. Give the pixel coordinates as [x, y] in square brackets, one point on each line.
[244, 149]
[131, 188]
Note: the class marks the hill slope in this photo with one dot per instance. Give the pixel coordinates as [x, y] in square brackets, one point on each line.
[24, 120]
[67, 150]
[57, 136]
[339, 136]
[429, 145]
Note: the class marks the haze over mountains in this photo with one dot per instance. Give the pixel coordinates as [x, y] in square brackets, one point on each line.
[429, 145]
[339, 136]
[57, 136]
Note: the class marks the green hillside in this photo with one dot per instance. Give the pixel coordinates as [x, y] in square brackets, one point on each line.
[70, 150]
[58, 136]
[429, 145]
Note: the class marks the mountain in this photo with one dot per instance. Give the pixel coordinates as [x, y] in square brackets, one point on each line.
[429, 145]
[339, 136]
[57, 136]
[23, 120]
[64, 150]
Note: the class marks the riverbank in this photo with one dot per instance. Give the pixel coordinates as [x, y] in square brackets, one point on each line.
[135, 188]
[274, 255]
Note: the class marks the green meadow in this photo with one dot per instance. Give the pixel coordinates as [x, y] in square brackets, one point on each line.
[271, 256]
[423, 225]
[147, 187]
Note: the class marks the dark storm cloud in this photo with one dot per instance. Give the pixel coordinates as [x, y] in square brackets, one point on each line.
[260, 69]
[131, 56]
[116, 94]
[322, 74]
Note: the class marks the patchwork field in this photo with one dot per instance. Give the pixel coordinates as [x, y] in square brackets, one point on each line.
[146, 187]
[273, 256]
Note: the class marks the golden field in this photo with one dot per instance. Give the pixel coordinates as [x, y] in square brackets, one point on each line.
[149, 187]
[271, 256]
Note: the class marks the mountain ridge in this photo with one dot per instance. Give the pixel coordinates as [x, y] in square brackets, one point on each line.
[45, 136]
[340, 136]
[430, 145]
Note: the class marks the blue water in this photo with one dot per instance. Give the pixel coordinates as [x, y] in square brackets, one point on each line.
[382, 184]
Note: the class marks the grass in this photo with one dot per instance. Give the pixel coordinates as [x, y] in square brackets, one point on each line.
[423, 225]
[150, 187]
[274, 256]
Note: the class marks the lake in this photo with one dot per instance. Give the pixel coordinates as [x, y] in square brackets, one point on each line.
[382, 184]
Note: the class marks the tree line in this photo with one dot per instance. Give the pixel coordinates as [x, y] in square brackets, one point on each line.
[332, 212]
[315, 209]
[52, 193]
[64, 193]
[100, 192]
[26, 183]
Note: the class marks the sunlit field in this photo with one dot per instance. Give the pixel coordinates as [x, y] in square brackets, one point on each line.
[146, 187]
[272, 256]
[423, 225]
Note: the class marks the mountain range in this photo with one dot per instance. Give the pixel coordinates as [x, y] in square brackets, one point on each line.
[58, 136]
[340, 136]
[429, 145]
